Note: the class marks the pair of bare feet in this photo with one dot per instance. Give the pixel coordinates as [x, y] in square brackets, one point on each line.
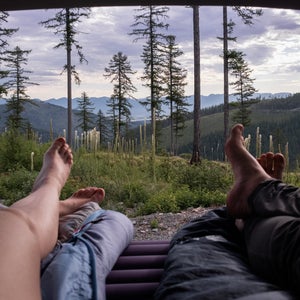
[248, 172]
[56, 168]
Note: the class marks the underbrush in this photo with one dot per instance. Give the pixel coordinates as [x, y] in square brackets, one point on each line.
[127, 179]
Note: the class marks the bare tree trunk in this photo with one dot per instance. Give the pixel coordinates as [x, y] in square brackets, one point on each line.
[226, 83]
[69, 78]
[197, 101]
[172, 148]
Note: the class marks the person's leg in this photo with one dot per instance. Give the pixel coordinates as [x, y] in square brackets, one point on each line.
[273, 247]
[79, 198]
[28, 229]
[272, 232]
[248, 174]
[274, 165]
[92, 252]
[75, 209]
[108, 237]
[269, 197]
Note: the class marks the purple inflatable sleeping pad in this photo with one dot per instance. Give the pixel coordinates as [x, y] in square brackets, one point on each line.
[138, 270]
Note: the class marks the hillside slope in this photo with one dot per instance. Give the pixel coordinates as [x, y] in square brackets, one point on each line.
[278, 117]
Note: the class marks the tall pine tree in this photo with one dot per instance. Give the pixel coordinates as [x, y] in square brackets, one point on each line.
[243, 85]
[150, 25]
[103, 126]
[64, 24]
[247, 15]
[85, 113]
[5, 33]
[175, 77]
[17, 84]
[119, 71]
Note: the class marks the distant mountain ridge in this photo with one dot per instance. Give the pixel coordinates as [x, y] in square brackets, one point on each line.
[53, 113]
[139, 112]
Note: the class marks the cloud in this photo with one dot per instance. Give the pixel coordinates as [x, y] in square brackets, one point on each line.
[272, 44]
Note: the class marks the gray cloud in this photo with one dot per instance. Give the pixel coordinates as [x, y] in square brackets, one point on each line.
[106, 32]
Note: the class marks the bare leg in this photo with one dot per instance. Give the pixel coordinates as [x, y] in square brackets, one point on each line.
[79, 198]
[248, 173]
[28, 229]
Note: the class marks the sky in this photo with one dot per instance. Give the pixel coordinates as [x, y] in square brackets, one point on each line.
[271, 46]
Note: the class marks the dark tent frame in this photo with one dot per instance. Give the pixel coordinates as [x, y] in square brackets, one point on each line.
[44, 4]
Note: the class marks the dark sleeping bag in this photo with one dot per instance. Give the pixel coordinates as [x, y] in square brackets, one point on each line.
[207, 260]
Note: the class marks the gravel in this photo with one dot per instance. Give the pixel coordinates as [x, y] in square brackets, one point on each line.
[162, 226]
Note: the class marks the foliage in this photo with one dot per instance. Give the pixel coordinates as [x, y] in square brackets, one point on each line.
[103, 126]
[5, 33]
[164, 202]
[126, 177]
[175, 77]
[85, 108]
[207, 175]
[149, 25]
[15, 184]
[119, 71]
[15, 152]
[64, 24]
[243, 85]
[17, 82]
[247, 15]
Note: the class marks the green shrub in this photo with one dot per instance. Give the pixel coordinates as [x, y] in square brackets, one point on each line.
[207, 198]
[207, 175]
[153, 224]
[15, 152]
[185, 197]
[164, 202]
[15, 185]
[134, 193]
[168, 168]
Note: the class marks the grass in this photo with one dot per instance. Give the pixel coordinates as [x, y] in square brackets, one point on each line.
[127, 179]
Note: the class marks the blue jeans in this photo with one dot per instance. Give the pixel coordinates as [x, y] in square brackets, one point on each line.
[78, 269]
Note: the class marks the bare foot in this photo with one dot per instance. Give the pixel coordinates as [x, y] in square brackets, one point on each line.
[57, 165]
[273, 164]
[79, 198]
[248, 173]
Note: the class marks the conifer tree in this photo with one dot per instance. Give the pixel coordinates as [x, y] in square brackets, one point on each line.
[175, 77]
[85, 113]
[150, 26]
[243, 85]
[64, 24]
[17, 83]
[5, 33]
[103, 126]
[247, 15]
[119, 71]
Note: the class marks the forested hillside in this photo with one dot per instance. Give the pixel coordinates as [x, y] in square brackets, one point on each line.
[278, 117]
[42, 118]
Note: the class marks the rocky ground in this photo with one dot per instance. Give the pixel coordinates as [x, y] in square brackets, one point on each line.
[162, 226]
